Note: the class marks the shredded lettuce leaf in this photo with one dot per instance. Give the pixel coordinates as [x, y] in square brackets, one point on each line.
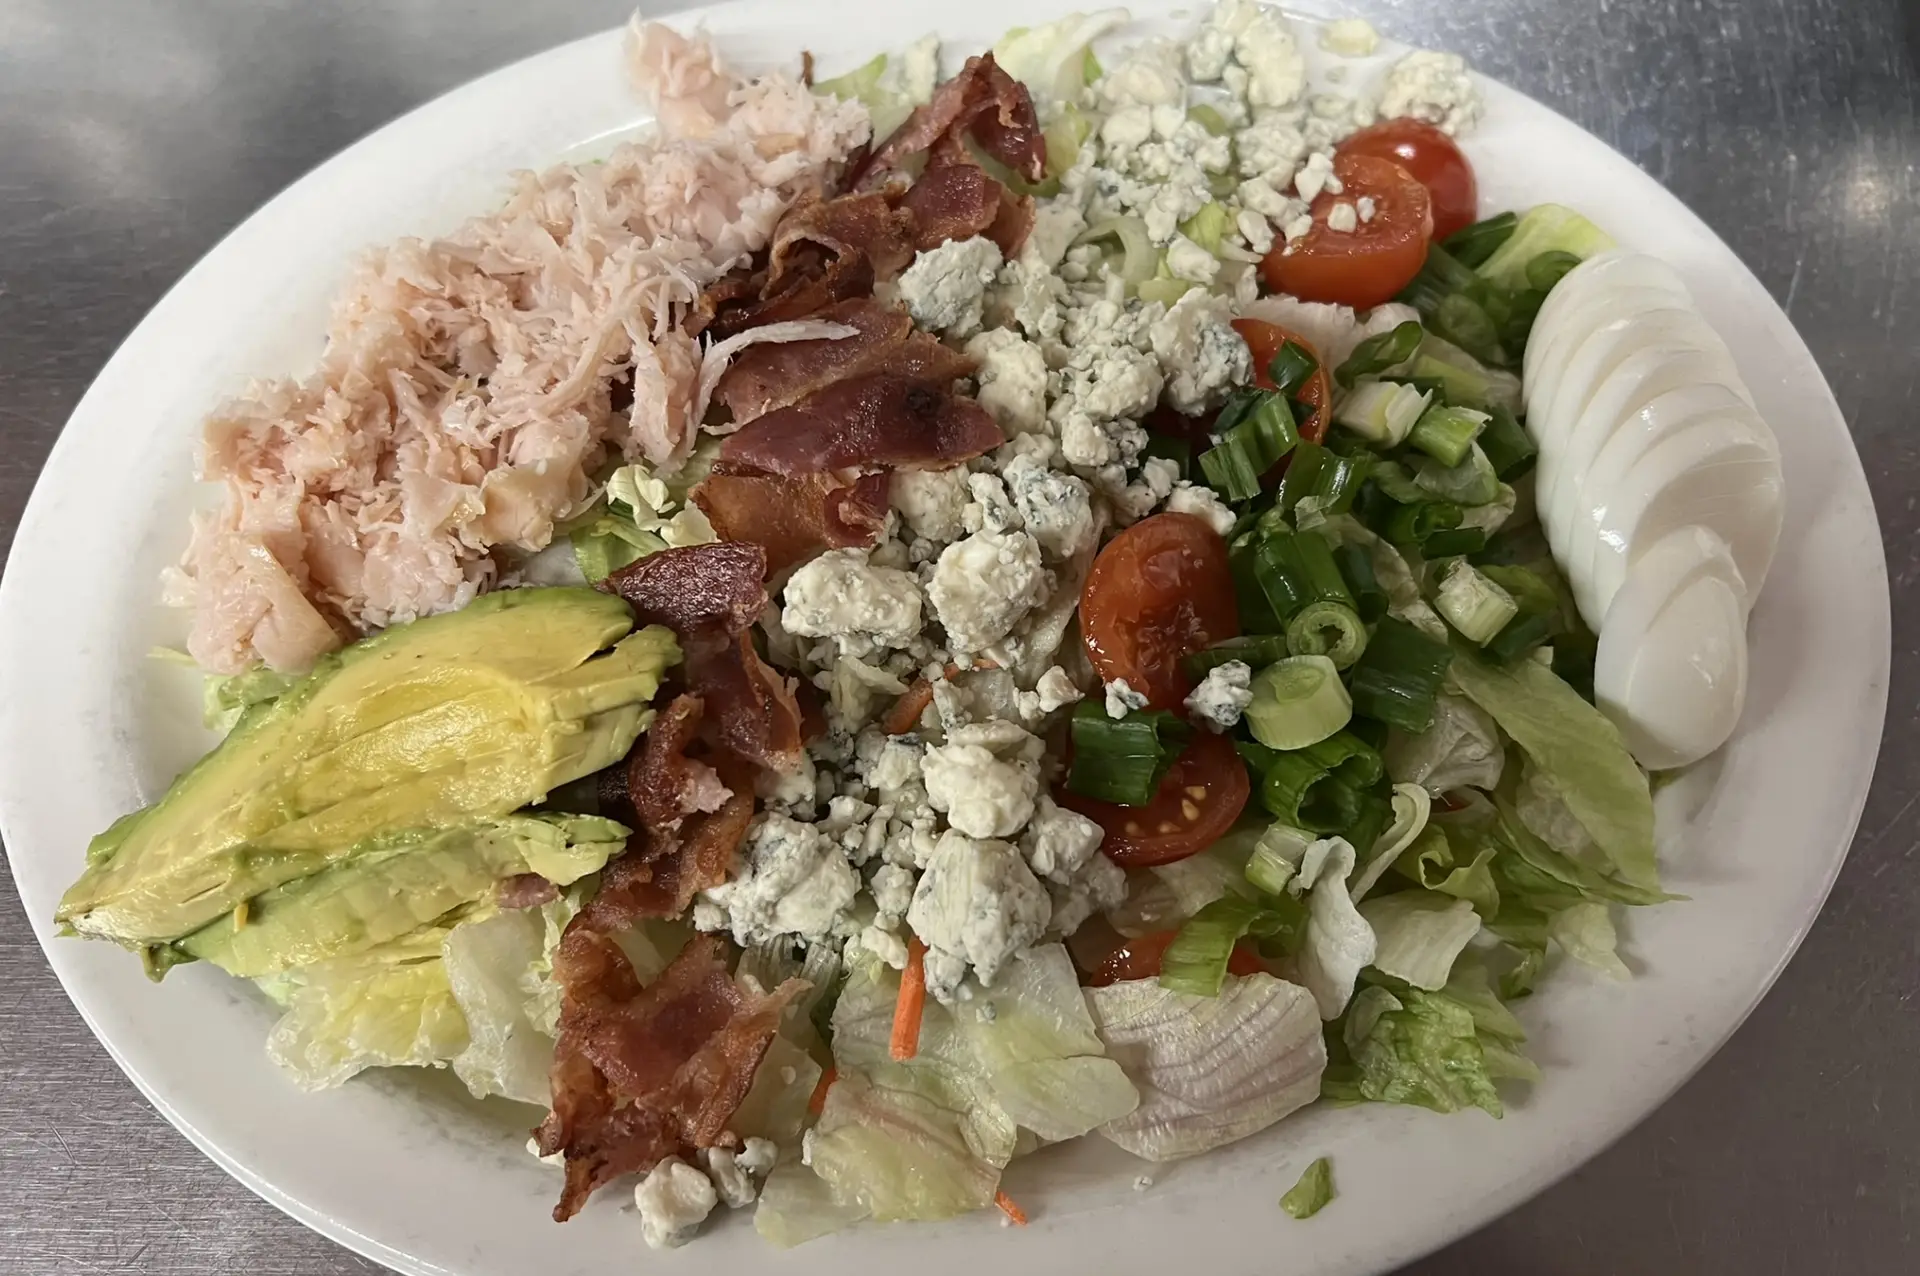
[890, 87]
[1424, 1050]
[1338, 943]
[1055, 59]
[1412, 807]
[1419, 935]
[1312, 1193]
[387, 1006]
[1433, 862]
[1543, 228]
[1462, 749]
[499, 969]
[1578, 750]
[226, 699]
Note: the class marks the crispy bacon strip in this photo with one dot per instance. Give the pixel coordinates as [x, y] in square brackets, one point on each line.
[525, 890]
[662, 873]
[766, 377]
[642, 1073]
[794, 518]
[873, 421]
[750, 704]
[984, 103]
[718, 586]
[955, 202]
[824, 251]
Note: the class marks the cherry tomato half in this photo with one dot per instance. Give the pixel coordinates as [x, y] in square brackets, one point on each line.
[1430, 158]
[1198, 801]
[1140, 959]
[1367, 265]
[1158, 591]
[1264, 340]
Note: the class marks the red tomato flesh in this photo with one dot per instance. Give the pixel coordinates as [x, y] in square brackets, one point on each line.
[1197, 802]
[1370, 263]
[1140, 959]
[1430, 158]
[1159, 590]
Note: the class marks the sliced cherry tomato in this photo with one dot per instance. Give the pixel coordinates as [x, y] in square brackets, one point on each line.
[1198, 801]
[1264, 340]
[1158, 591]
[1140, 959]
[1367, 265]
[1433, 160]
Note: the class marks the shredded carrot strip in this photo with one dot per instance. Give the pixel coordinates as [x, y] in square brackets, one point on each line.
[907, 1012]
[904, 716]
[1012, 1211]
[818, 1102]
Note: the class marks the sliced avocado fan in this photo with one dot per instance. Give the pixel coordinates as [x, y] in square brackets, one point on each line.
[444, 723]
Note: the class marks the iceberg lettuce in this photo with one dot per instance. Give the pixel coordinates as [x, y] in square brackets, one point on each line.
[499, 969]
[1338, 943]
[1053, 59]
[1419, 934]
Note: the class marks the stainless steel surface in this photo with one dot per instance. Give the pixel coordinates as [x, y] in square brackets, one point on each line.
[135, 133]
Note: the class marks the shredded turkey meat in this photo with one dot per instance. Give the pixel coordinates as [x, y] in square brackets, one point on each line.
[466, 391]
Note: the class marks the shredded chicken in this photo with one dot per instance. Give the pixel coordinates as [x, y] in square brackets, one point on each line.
[466, 394]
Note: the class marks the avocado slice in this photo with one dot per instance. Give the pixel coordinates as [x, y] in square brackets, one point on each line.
[396, 883]
[437, 724]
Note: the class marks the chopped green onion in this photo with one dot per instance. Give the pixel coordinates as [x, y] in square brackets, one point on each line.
[1277, 856]
[1525, 634]
[1379, 353]
[1123, 760]
[1316, 471]
[1506, 444]
[1306, 794]
[1517, 324]
[1454, 383]
[1196, 961]
[1453, 541]
[1356, 568]
[1253, 650]
[1170, 447]
[1446, 433]
[1376, 814]
[1296, 569]
[1470, 325]
[1140, 260]
[1470, 482]
[1473, 604]
[1537, 618]
[1261, 434]
[1440, 277]
[1327, 629]
[1209, 119]
[1166, 291]
[1291, 367]
[1209, 226]
[1297, 702]
[1542, 228]
[1382, 412]
[1398, 678]
[1529, 590]
[1549, 268]
[1243, 559]
[1353, 761]
[1477, 242]
[1411, 526]
[1393, 479]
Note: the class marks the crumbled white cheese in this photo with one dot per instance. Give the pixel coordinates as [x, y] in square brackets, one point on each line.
[984, 584]
[841, 595]
[1365, 207]
[673, 1200]
[1099, 886]
[1342, 218]
[1203, 356]
[1316, 175]
[1188, 260]
[1202, 502]
[1276, 72]
[892, 888]
[1223, 695]
[1058, 842]
[1056, 224]
[1056, 690]
[1434, 87]
[992, 508]
[977, 905]
[945, 287]
[932, 502]
[793, 880]
[986, 778]
[1056, 508]
[1123, 699]
[1012, 380]
[1349, 37]
[1256, 230]
[735, 1174]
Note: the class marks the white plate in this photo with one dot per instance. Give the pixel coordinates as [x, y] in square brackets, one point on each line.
[410, 1174]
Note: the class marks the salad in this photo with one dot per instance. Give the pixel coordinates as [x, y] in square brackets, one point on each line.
[900, 620]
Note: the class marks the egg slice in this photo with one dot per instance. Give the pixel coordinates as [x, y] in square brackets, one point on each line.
[1593, 360]
[1721, 472]
[1611, 271]
[1612, 310]
[1646, 373]
[1671, 668]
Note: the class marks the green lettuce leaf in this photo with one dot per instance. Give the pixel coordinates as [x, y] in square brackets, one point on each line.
[1585, 933]
[1419, 935]
[1425, 1051]
[387, 1006]
[1312, 1193]
[498, 968]
[1434, 863]
[1578, 750]
[1338, 943]
[1462, 749]
[226, 699]
[1054, 58]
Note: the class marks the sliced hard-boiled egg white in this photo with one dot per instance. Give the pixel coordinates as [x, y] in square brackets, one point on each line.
[1603, 313]
[1611, 271]
[1671, 668]
[1656, 368]
[1721, 472]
